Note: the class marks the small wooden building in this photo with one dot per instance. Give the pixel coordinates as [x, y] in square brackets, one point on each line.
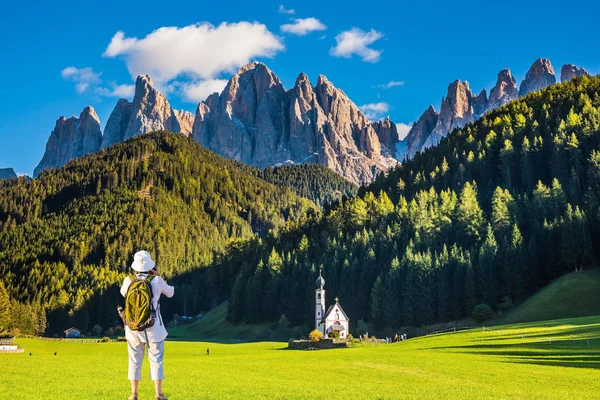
[72, 333]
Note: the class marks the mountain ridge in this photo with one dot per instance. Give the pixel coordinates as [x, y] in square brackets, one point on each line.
[257, 121]
[461, 106]
[254, 120]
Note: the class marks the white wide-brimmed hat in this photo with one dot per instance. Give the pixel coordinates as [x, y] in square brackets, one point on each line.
[142, 261]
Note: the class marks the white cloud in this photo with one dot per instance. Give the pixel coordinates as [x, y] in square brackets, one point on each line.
[403, 129]
[356, 41]
[83, 77]
[390, 84]
[375, 111]
[283, 10]
[121, 91]
[86, 79]
[201, 51]
[199, 91]
[303, 26]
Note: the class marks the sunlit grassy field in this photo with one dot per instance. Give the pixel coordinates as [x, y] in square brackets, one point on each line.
[546, 360]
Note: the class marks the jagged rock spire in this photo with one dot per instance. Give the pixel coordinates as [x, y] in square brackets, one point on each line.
[71, 138]
[540, 75]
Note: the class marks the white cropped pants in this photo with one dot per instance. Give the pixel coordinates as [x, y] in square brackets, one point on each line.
[156, 352]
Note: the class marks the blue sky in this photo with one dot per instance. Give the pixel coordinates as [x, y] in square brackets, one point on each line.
[415, 48]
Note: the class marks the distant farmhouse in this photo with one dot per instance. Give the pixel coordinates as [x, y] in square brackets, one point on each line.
[7, 346]
[72, 333]
[332, 320]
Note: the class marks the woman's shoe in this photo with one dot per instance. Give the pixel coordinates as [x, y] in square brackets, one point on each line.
[133, 397]
[161, 396]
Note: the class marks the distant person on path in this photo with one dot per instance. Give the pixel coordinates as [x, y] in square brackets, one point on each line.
[208, 352]
[144, 325]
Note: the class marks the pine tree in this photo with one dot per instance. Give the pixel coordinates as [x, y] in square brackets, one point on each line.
[488, 275]
[469, 215]
[5, 309]
[376, 304]
[576, 244]
[502, 205]
[391, 295]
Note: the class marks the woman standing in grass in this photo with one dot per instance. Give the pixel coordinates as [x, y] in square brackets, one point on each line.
[143, 323]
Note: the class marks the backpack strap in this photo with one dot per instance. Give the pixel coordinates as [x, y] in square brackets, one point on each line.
[149, 279]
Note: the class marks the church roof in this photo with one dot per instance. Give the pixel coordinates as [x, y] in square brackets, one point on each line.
[337, 327]
[330, 310]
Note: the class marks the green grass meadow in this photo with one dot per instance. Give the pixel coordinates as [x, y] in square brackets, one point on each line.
[545, 360]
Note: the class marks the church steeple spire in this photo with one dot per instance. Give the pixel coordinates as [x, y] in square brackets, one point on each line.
[320, 280]
[320, 303]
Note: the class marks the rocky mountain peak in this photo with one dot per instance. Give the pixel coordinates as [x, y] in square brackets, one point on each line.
[255, 73]
[7, 173]
[151, 111]
[322, 80]
[504, 91]
[186, 121]
[458, 99]
[302, 88]
[256, 121]
[72, 138]
[143, 84]
[387, 132]
[480, 103]
[255, 65]
[302, 79]
[570, 71]
[116, 126]
[420, 131]
[540, 75]
[457, 110]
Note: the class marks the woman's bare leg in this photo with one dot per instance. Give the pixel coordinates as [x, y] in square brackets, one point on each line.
[158, 387]
[134, 387]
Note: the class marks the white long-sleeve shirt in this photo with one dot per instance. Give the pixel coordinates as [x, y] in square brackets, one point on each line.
[157, 332]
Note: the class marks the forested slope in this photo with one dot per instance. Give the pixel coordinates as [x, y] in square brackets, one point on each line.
[313, 181]
[491, 215]
[68, 236]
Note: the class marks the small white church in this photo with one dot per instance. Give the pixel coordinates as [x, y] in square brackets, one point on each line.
[332, 320]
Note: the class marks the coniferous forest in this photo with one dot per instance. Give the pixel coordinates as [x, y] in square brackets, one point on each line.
[496, 211]
[68, 237]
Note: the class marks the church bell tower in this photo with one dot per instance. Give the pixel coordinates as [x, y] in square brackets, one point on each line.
[320, 304]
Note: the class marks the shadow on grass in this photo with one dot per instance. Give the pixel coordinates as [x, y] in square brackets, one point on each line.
[220, 341]
[570, 362]
[590, 333]
[573, 356]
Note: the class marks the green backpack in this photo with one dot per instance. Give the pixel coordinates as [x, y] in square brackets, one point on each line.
[139, 311]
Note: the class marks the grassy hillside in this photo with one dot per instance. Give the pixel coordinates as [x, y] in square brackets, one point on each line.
[576, 294]
[543, 361]
[214, 327]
